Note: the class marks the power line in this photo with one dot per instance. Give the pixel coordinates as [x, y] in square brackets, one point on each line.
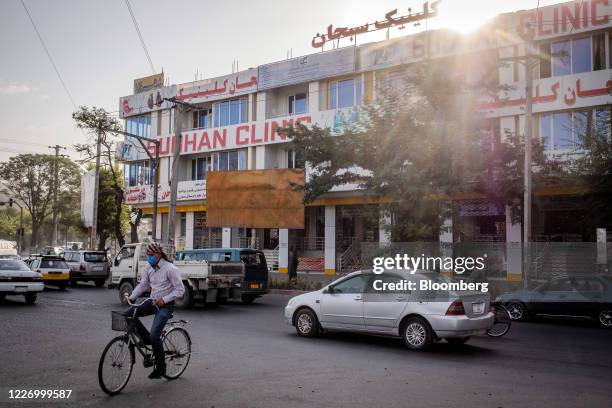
[48, 54]
[144, 46]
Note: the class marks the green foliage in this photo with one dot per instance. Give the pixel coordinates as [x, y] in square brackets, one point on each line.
[28, 179]
[9, 222]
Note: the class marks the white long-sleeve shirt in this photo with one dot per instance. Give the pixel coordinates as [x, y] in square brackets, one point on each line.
[163, 280]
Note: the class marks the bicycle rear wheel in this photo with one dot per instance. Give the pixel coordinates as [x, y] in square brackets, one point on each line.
[501, 324]
[177, 347]
[116, 364]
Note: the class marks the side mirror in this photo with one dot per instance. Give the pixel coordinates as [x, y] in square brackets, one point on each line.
[330, 289]
[117, 260]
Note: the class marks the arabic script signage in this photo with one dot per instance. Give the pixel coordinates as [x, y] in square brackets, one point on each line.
[187, 190]
[557, 93]
[333, 34]
[146, 102]
[240, 83]
[307, 68]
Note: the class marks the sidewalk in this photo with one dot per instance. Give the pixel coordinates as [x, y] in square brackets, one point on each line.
[311, 279]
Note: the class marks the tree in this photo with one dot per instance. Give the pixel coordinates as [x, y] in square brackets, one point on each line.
[412, 146]
[9, 222]
[107, 209]
[26, 178]
[101, 125]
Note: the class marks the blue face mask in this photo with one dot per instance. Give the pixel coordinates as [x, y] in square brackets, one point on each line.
[152, 260]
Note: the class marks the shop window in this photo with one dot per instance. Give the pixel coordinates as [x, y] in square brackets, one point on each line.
[228, 161]
[230, 112]
[183, 228]
[298, 104]
[561, 60]
[199, 168]
[202, 119]
[599, 52]
[139, 173]
[344, 94]
[295, 160]
[139, 125]
[581, 55]
[567, 130]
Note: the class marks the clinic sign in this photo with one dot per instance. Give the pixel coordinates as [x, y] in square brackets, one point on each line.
[146, 102]
[240, 83]
[250, 134]
[563, 19]
[186, 190]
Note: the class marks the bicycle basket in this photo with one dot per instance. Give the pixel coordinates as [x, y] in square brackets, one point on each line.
[118, 321]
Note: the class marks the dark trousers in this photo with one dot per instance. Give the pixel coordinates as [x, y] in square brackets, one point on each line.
[162, 314]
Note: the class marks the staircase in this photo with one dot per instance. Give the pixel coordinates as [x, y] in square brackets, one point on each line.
[350, 259]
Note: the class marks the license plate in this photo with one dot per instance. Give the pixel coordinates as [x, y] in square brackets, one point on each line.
[20, 289]
[96, 268]
[55, 276]
[255, 286]
[478, 307]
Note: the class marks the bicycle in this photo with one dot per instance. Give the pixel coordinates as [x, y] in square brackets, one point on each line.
[118, 358]
[502, 321]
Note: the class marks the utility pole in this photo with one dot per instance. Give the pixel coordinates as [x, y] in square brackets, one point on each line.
[94, 224]
[179, 108]
[178, 113]
[55, 187]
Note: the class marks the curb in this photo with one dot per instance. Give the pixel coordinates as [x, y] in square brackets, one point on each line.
[292, 292]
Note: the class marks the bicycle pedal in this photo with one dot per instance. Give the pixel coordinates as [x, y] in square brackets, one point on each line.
[148, 361]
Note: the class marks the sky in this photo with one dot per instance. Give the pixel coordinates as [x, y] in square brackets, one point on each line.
[97, 51]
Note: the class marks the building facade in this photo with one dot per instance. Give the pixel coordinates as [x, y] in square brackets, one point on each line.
[235, 128]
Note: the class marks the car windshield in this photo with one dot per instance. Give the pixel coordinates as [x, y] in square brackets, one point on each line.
[53, 263]
[94, 257]
[12, 265]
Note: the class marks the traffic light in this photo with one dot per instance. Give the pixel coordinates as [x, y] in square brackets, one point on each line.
[10, 203]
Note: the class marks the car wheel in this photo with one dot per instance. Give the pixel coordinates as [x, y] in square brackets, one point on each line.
[605, 318]
[306, 323]
[186, 301]
[457, 340]
[248, 299]
[517, 311]
[417, 334]
[125, 287]
[30, 298]
[99, 283]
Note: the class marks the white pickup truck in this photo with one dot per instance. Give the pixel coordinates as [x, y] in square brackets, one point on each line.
[213, 282]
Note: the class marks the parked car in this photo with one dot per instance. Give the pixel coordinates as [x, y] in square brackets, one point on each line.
[54, 270]
[87, 266]
[576, 296]
[17, 279]
[255, 283]
[351, 303]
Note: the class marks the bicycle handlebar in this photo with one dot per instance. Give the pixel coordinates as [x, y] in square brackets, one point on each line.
[129, 302]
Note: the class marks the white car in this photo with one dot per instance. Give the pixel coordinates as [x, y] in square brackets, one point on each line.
[420, 317]
[17, 279]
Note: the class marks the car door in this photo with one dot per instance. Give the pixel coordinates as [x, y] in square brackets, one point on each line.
[382, 308]
[342, 307]
[559, 298]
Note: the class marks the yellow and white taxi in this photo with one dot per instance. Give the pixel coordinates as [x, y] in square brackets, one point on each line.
[54, 270]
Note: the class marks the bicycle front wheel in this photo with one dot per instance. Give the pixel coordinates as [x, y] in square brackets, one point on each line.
[502, 322]
[116, 364]
[177, 347]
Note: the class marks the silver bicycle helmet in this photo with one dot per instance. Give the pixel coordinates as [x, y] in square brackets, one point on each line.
[155, 247]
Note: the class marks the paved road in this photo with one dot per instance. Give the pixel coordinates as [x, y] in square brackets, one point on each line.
[245, 356]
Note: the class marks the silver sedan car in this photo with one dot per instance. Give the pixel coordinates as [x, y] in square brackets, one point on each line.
[371, 303]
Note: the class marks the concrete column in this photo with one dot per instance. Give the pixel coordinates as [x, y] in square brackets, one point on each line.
[514, 250]
[260, 157]
[330, 239]
[283, 250]
[235, 237]
[226, 237]
[384, 235]
[261, 106]
[189, 230]
[446, 241]
[313, 97]
[158, 233]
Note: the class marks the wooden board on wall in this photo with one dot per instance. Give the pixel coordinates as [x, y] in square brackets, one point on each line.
[255, 198]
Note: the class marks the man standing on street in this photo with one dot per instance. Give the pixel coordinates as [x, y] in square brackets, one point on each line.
[163, 280]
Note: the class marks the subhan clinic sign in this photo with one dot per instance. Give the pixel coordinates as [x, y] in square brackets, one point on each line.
[560, 19]
[251, 133]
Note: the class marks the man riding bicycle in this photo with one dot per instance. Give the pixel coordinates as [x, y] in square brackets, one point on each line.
[163, 280]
